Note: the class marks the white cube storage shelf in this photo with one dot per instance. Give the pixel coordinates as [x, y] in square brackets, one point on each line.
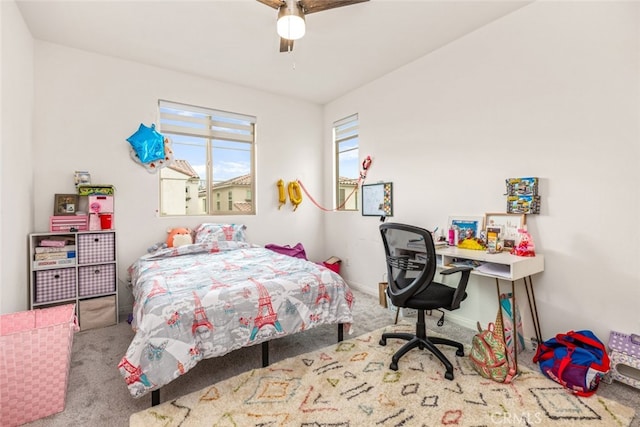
[89, 279]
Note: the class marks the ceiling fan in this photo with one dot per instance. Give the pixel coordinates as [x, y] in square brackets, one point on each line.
[291, 13]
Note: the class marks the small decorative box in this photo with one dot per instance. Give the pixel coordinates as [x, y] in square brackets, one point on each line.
[88, 190]
[100, 204]
[69, 223]
[625, 358]
[629, 344]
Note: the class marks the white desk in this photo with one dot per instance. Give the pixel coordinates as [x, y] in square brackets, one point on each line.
[517, 267]
[507, 267]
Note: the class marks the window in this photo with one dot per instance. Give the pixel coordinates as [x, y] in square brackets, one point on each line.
[214, 152]
[346, 140]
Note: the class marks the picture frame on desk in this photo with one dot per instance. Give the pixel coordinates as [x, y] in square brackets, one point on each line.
[509, 225]
[468, 226]
[493, 241]
[65, 204]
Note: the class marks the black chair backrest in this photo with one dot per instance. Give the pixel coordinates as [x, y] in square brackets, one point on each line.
[411, 260]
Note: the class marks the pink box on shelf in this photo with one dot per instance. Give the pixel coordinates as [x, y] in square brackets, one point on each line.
[101, 204]
[69, 223]
[35, 347]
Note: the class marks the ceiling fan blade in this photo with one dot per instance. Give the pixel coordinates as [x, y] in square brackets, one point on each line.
[272, 3]
[311, 6]
[286, 45]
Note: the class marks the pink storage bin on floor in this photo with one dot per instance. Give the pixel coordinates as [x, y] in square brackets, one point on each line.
[35, 351]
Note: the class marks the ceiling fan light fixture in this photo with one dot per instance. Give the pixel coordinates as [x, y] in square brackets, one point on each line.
[291, 25]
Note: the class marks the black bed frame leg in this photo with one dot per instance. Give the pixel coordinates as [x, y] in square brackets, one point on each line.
[265, 354]
[155, 394]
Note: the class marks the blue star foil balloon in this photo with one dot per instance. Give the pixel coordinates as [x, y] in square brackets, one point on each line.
[156, 165]
[147, 143]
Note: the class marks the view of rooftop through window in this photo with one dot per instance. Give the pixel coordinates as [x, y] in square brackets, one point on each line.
[346, 143]
[214, 156]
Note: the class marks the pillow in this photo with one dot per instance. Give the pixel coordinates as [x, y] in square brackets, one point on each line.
[206, 233]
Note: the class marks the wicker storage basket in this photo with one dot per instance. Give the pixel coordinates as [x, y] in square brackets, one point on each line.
[35, 353]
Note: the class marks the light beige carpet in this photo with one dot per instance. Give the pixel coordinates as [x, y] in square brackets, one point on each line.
[350, 384]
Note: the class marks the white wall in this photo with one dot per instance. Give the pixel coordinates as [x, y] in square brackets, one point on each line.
[88, 104]
[16, 179]
[552, 91]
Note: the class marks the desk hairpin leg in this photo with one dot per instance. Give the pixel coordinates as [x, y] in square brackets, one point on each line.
[533, 308]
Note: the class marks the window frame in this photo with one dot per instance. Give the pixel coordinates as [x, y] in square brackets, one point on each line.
[219, 130]
[345, 131]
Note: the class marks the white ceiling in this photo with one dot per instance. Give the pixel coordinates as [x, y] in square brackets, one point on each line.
[235, 40]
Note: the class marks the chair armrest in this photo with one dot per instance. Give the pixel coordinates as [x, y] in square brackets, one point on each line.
[455, 270]
[462, 284]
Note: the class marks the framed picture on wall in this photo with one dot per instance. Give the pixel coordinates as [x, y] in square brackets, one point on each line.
[65, 204]
[377, 199]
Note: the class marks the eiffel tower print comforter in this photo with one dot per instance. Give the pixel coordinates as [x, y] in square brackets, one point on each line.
[207, 299]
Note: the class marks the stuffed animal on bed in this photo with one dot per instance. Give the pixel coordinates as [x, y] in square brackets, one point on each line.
[179, 237]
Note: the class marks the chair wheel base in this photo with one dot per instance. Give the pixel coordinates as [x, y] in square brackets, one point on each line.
[393, 366]
[460, 352]
[383, 342]
[448, 375]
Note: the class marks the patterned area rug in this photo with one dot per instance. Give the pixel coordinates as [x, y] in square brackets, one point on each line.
[350, 384]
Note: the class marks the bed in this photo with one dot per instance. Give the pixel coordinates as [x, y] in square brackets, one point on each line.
[209, 298]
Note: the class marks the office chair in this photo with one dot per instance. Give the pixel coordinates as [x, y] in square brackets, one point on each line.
[411, 266]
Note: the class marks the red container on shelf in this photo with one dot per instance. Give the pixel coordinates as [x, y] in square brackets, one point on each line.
[106, 221]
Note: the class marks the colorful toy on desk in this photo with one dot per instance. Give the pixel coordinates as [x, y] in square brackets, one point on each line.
[474, 244]
[526, 246]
